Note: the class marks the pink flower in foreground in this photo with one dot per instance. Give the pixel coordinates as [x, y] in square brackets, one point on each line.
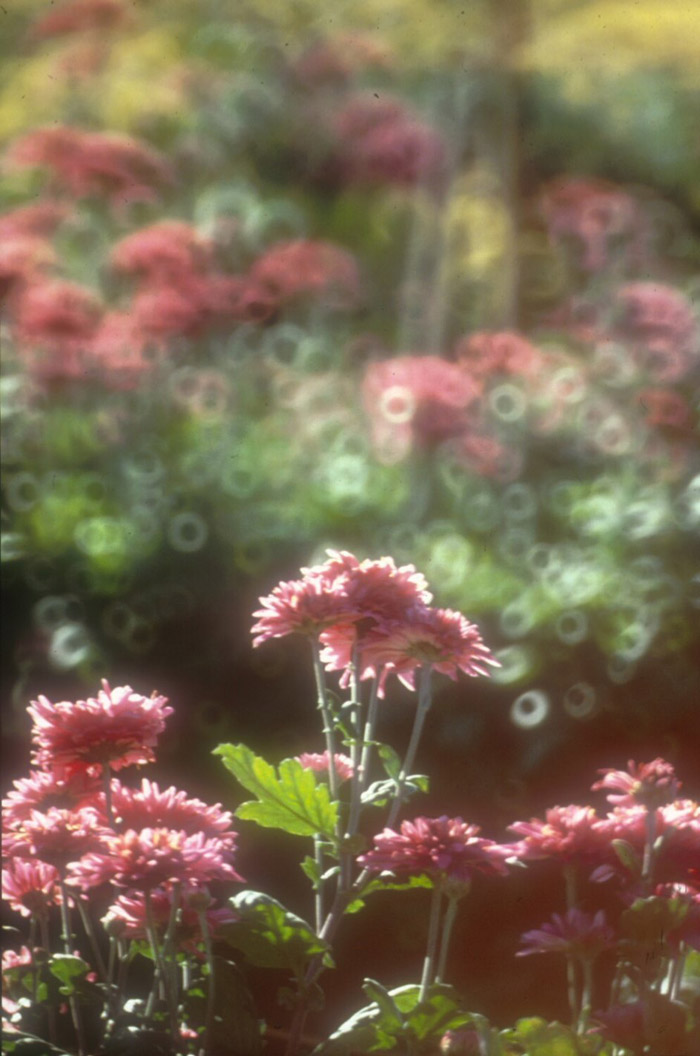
[441, 847]
[301, 267]
[439, 638]
[117, 728]
[300, 606]
[56, 836]
[569, 834]
[584, 935]
[148, 807]
[44, 789]
[155, 856]
[130, 910]
[30, 887]
[648, 784]
[318, 761]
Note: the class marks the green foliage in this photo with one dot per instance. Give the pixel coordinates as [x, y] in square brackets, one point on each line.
[18, 1043]
[290, 799]
[537, 1037]
[397, 1020]
[234, 1026]
[71, 971]
[270, 936]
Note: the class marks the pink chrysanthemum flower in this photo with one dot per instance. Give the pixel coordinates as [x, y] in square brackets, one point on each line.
[582, 935]
[54, 324]
[148, 807]
[647, 784]
[487, 352]
[56, 836]
[318, 761]
[593, 212]
[80, 16]
[155, 856]
[439, 847]
[130, 911]
[38, 220]
[30, 887]
[569, 834]
[439, 638]
[117, 728]
[167, 250]
[293, 269]
[300, 606]
[44, 789]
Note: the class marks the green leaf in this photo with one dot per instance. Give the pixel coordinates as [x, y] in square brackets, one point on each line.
[21, 1044]
[310, 868]
[390, 1015]
[541, 1038]
[290, 800]
[388, 882]
[270, 936]
[382, 792]
[391, 761]
[69, 970]
[628, 856]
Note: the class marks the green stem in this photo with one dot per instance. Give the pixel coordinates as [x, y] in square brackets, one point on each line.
[67, 936]
[325, 710]
[448, 923]
[368, 735]
[46, 944]
[354, 812]
[586, 995]
[170, 962]
[677, 977]
[424, 701]
[209, 1015]
[648, 860]
[318, 893]
[574, 1008]
[107, 788]
[431, 949]
[92, 938]
[159, 969]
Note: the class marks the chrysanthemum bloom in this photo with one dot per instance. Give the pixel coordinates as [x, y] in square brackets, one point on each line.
[130, 910]
[152, 857]
[650, 785]
[591, 211]
[77, 16]
[665, 408]
[117, 728]
[504, 351]
[318, 761]
[56, 836]
[342, 589]
[425, 394]
[40, 219]
[167, 250]
[118, 351]
[13, 981]
[30, 887]
[583, 935]
[44, 789]
[302, 267]
[339, 58]
[54, 323]
[569, 834]
[23, 261]
[148, 807]
[106, 164]
[443, 848]
[658, 315]
[439, 638]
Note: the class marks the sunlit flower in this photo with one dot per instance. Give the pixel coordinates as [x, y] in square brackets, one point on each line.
[155, 856]
[304, 266]
[149, 807]
[582, 935]
[30, 886]
[55, 836]
[130, 910]
[649, 784]
[569, 834]
[44, 789]
[439, 638]
[117, 728]
[300, 606]
[318, 761]
[439, 847]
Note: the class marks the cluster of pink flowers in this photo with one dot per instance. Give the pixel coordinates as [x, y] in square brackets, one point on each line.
[71, 823]
[594, 213]
[375, 612]
[80, 16]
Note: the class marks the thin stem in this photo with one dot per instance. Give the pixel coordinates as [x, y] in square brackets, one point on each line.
[354, 814]
[325, 710]
[447, 925]
[46, 944]
[170, 961]
[159, 969]
[209, 1015]
[107, 788]
[677, 976]
[67, 936]
[431, 949]
[586, 995]
[424, 701]
[648, 860]
[318, 893]
[122, 972]
[368, 735]
[574, 1008]
[92, 937]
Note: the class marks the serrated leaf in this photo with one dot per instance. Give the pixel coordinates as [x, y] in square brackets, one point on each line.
[269, 935]
[382, 792]
[390, 759]
[390, 1015]
[69, 970]
[309, 867]
[541, 1038]
[290, 800]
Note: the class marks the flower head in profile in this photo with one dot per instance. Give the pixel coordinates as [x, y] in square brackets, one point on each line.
[30, 887]
[318, 761]
[579, 934]
[438, 638]
[44, 789]
[149, 807]
[117, 728]
[443, 848]
[569, 834]
[155, 856]
[645, 784]
[56, 836]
